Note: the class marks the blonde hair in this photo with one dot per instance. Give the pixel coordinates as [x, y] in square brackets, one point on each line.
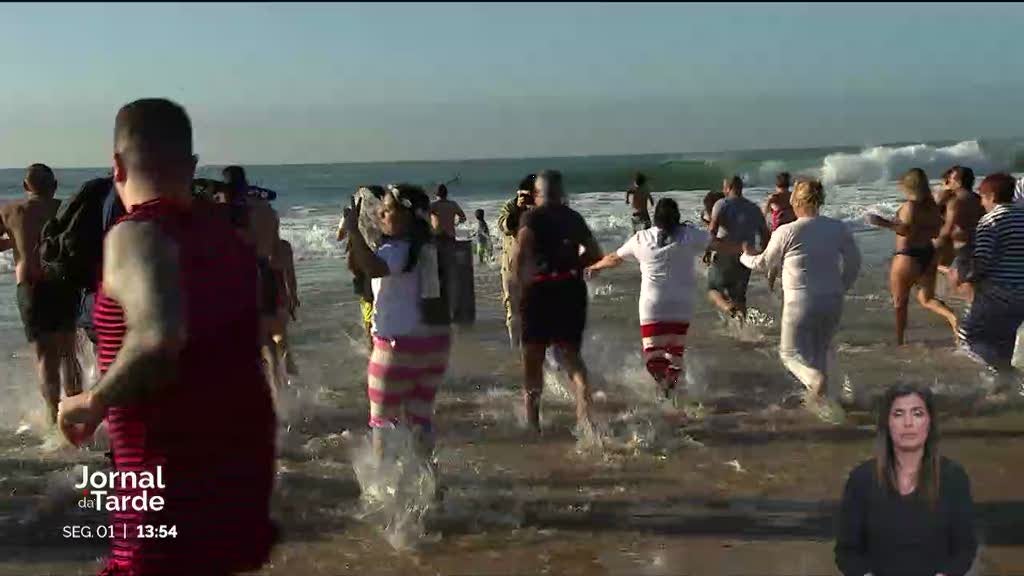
[915, 181]
[808, 193]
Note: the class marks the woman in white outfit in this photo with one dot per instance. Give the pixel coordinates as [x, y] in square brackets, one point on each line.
[820, 262]
[667, 254]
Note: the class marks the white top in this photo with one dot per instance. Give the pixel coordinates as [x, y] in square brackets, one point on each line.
[396, 297]
[818, 257]
[668, 278]
[1018, 191]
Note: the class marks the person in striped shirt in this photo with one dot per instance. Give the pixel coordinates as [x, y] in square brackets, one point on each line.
[989, 328]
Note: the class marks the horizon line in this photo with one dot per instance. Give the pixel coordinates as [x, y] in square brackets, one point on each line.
[941, 141]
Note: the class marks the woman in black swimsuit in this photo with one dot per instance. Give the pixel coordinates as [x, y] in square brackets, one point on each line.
[917, 223]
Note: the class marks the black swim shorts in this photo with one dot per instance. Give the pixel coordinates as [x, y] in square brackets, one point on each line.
[554, 312]
[730, 277]
[47, 307]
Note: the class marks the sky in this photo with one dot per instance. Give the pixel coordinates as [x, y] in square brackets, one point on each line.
[316, 83]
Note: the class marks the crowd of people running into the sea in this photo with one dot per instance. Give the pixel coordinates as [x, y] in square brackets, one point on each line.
[187, 290]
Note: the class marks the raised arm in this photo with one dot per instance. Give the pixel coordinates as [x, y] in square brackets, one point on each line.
[364, 259]
[508, 218]
[342, 232]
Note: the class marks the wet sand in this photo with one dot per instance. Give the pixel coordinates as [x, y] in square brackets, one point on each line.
[749, 488]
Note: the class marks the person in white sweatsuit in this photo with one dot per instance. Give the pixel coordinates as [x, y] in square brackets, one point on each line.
[820, 262]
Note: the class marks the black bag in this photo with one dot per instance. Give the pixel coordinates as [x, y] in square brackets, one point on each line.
[437, 311]
[71, 243]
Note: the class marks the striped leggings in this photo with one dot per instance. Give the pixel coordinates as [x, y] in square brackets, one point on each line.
[663, 346]
[403, 376]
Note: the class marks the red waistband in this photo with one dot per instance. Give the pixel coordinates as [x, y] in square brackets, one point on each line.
[664, 328]
[556, 276]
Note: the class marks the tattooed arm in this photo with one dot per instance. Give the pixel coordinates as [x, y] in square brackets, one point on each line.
[141, 272]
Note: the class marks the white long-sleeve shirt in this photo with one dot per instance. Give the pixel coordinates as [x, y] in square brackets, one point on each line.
[818, 257]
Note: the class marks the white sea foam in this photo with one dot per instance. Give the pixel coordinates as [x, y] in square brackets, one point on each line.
[885, 163]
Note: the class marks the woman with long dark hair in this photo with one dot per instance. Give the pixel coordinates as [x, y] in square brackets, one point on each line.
[411, 337]
[667, 254]
[908, 511]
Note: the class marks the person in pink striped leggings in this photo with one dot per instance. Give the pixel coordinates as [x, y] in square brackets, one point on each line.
[410, 345]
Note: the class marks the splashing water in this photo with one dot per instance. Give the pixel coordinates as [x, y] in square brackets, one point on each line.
[398, 489]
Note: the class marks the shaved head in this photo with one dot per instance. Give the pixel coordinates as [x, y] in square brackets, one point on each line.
[153, 138]
[39, 179]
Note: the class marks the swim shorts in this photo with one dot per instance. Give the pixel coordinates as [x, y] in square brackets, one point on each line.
[730, 277]
[47, 307]
[554, 312]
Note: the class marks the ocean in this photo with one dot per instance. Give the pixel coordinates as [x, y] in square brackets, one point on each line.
[553, 503]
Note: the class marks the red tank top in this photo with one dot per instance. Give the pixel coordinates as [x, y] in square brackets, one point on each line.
[211, 427]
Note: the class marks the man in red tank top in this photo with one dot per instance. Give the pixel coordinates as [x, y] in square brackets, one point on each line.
[177, 316]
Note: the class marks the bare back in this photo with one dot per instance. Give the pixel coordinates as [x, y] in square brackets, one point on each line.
[442, 217]
[924, 221]
[23, 221]
[967, 211]
[640, 197]
[263, 223]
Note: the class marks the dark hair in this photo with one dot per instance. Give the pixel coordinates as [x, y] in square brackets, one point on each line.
[375, 189]
[782, 180]
[666, 218]
[1000, 186]
[640, 179]
[554, 180]
[153, 135]
[479, 213]
[964, 175]
[234, 177]
[736, 184]
[885, 457]
[419, 228]
[527, 183]
[442, 191]
[710, 199]
[40, 179]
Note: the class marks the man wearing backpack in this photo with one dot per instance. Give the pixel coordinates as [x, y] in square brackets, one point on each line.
[81, 231]
[48, 306]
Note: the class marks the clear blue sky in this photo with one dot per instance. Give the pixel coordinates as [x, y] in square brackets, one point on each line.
[285, 83]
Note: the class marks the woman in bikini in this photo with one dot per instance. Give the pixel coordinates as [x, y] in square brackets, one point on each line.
[917, 223]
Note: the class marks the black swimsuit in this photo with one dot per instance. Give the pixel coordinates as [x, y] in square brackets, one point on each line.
[923, 255]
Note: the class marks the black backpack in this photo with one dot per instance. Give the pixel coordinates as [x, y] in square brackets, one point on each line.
[71, 243]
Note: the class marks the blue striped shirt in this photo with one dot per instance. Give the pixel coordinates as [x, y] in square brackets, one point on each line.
[999, 246]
